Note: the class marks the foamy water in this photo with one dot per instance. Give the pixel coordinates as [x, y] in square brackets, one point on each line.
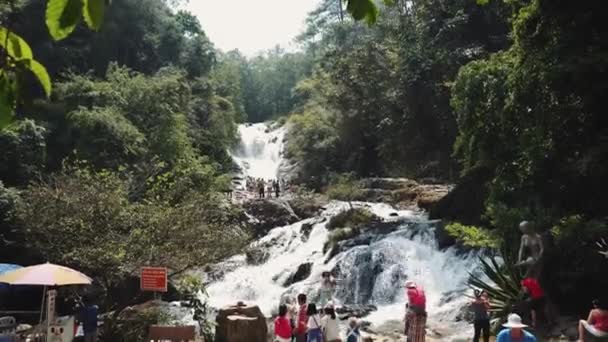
[259, 151]
[409, 252]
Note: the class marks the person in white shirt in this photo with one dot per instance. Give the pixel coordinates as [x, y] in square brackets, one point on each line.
[315, 334]
[329, 323]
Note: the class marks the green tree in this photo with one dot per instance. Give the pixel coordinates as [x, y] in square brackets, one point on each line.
[84, 219]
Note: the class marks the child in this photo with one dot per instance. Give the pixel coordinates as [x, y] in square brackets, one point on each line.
[282, 326]
[352, 335]
[314, 324]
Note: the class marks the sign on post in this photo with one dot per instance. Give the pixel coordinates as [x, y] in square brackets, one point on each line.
[153, 279]
[51, 297]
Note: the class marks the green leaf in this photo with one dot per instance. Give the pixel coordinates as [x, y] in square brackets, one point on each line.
[14, 45]
[62, 16]
[483, 2]
[93, 12]
[363, 9]
[42, 75]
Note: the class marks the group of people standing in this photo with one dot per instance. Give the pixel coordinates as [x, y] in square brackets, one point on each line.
[265, 188]
[596, 324]
[305, 323]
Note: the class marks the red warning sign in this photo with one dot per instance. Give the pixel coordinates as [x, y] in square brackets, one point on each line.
[153, 279]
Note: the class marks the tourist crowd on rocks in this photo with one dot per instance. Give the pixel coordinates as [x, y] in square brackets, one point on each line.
[303, 321]
[265, 188]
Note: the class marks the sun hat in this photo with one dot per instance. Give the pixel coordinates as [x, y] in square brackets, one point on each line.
[410, 284]
[514, 321]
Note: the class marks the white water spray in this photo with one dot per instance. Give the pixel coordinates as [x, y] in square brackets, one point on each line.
[370, 272]
[259, 151]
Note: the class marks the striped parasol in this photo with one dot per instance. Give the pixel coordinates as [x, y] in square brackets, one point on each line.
[45, 275]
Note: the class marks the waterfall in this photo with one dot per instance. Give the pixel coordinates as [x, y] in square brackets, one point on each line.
[259, 151]
[371, 269]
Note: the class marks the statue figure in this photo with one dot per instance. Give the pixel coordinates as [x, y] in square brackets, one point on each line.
[530, 249]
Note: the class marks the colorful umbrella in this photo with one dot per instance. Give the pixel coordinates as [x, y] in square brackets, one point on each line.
[45, 275]
[8, 267]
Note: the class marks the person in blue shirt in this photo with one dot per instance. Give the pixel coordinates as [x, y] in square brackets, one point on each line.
[88, 318]
[515, 331]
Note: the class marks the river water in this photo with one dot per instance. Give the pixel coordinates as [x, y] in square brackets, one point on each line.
[372, 271]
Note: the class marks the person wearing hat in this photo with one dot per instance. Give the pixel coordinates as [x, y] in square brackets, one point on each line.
[415, 317]
[514, 331]
[329, 324]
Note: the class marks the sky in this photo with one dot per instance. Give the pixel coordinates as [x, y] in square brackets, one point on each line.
[251, 25]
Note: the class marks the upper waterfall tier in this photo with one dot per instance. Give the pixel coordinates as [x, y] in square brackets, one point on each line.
[259, 150]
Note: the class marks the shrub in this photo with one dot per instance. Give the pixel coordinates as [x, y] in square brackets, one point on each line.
[338, 235]
[347, 224]
[345, 188]
[353, 218]
[472, 236]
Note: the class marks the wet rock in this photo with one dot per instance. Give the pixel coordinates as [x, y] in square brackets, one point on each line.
[388, 183]
[305, 230]
[444, 240]
[268, 214]
[256, 255]
[241, 324]
[346, 311]
[301, 273]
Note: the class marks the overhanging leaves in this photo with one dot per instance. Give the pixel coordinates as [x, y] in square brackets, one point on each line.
[41, 74]
[62, 16]
[93, 13]
[14, 45]
[363, 9]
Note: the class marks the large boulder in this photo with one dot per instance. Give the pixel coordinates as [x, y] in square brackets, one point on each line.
[301, 273]
[402, 191]
[464, 203]
[268, 214]
[241, 323]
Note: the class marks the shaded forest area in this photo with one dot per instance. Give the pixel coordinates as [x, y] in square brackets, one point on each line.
[505, 98]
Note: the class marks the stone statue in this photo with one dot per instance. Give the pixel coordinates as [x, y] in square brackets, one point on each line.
[530, 249]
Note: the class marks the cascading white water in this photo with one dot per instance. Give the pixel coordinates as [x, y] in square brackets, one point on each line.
[259, 151]
[372, 271]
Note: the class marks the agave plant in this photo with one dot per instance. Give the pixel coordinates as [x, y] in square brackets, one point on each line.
[501, 282]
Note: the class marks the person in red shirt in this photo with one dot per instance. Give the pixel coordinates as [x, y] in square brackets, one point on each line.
[415, 317]
[302, 321]
[536, 295]
[282, 326]
[596, 324]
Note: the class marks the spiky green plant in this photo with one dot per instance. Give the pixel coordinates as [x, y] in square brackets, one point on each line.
[503, 285]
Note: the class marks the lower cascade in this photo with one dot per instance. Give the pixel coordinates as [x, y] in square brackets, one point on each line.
[370, 269]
